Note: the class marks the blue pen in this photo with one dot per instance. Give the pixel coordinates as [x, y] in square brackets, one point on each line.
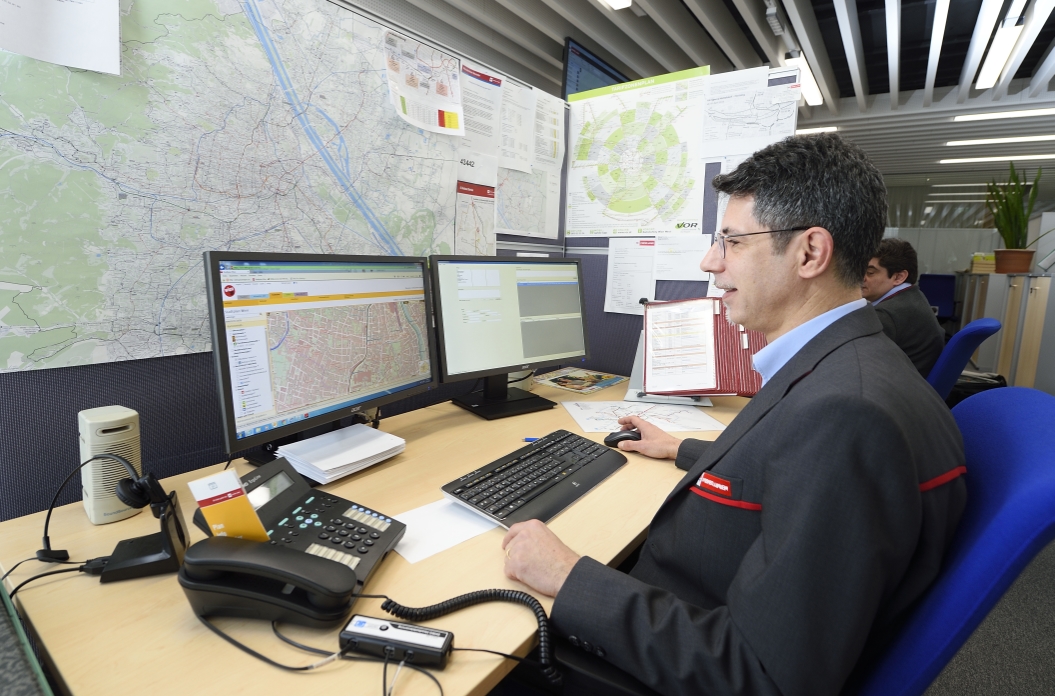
[530, 439]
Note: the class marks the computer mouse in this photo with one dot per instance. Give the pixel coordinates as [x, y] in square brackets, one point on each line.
[618, 436]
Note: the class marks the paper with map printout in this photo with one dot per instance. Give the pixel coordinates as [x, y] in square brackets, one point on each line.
[140, 175]
[603, 416]
[82, 34]
[528, 203]
[636, 163]
[424, 84]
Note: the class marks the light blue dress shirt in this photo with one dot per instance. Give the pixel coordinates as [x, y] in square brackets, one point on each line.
[768, 361]
[894, 290]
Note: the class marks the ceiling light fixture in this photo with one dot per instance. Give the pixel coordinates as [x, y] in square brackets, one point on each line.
[1003, 158]
[810, 131]
[617, 4]
[1005, 114]
[1004, 40]
[1001, 141]
[957, 185]
[959, 193]
[927, 202]
[810, 91]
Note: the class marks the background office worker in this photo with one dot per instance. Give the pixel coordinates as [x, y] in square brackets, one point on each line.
[801, 536]
[890, 285]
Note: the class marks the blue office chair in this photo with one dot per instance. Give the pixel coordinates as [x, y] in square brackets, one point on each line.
[1009, 518]
[940, 291]
[957, 352]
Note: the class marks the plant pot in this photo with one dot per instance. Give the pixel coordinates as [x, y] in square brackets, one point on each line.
[1014, 260]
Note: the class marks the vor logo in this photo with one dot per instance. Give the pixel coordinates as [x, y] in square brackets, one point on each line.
[686, 225]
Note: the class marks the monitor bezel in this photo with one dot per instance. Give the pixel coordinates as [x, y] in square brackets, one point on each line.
[605, 65]
[232, 443]
[445, 376]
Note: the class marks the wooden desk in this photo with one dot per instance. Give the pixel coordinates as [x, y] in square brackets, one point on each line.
[140, 636]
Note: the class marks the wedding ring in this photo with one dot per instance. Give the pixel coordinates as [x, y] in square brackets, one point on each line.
[507, 554]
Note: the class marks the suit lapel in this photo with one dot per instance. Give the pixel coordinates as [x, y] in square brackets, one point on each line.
[861, 322]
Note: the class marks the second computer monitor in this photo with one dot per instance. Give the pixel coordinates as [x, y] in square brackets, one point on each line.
[497, 315]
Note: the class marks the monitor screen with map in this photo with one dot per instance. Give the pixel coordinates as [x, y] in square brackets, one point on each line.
[303, 340]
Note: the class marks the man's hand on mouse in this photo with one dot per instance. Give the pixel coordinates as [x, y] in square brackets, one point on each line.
[655, 442]
[537, 558]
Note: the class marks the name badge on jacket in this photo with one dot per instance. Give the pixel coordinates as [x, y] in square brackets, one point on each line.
[726, 490]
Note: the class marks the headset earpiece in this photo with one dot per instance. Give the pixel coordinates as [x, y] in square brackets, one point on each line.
[133, 493]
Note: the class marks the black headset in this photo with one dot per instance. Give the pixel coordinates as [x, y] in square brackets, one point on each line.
[135, 491]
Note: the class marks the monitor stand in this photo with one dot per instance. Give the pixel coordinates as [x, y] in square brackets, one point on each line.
[499, 400]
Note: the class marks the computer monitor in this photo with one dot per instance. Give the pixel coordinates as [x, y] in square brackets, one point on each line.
[303, 340]
[502, 314]
[584, 71]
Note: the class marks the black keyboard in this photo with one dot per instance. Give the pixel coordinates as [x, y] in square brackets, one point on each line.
[537, 481]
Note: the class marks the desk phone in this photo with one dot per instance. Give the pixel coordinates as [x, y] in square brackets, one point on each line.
[305, 519]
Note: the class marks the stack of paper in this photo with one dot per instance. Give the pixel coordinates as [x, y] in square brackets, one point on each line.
[331, 456]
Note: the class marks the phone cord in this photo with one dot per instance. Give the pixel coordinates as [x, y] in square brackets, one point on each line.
[478, 597]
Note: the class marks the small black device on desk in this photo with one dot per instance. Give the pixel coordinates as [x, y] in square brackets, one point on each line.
[299, 517]
[537, 481]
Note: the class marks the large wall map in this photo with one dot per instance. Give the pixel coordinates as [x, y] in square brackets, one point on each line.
[256, 126]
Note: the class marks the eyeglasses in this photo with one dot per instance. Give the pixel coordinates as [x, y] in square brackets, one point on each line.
[720, 238]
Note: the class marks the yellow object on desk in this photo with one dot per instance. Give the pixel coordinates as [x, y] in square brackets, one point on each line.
[226, 507]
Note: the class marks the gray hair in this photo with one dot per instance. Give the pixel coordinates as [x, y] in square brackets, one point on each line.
[816, 180]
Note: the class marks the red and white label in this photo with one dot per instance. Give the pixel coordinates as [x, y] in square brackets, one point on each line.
[719, 486]
[228, 290]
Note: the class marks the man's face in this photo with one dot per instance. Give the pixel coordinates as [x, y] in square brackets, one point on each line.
[758, 284]
[878, 281]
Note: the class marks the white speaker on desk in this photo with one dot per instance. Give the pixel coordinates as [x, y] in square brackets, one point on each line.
[107, 430]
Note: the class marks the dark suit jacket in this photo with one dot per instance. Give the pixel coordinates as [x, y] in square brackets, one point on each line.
[842, 489]
[910, 323]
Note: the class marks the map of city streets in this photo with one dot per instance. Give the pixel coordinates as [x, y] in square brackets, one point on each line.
[255, 126]
[331, 354]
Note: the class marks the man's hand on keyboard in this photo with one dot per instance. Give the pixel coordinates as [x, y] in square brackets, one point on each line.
[655, 442]
[537, 558]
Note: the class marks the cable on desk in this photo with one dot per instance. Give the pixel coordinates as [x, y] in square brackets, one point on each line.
[417, 614]
[346, 656]
[395, 677]
[42, 575]
[228, 463]
[330, 657]
[34, 558]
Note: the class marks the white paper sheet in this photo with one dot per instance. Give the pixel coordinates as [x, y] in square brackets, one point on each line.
[678, 256]
[743, 114]
[680, 355]
[603, 416]
[424, 84]
[84, 35]
[528, 203]
[629, 274]
[549, 130]
[517, 150]
[437, 527]
[482, 105]
[474, 220]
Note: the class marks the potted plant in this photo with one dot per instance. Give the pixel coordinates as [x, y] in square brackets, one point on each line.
[1010, 210]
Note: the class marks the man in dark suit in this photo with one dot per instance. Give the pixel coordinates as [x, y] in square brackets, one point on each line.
[801, 537]
[890, 285]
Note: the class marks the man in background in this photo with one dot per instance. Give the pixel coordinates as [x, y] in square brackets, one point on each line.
[890, 285]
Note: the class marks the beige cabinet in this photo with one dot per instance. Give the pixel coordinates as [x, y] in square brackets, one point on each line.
[1023, 351]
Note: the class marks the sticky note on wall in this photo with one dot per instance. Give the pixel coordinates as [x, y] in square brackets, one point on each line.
[226, 508]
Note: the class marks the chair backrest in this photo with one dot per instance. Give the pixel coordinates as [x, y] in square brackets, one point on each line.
[940, 291]
[1009, 518]
[957, 352]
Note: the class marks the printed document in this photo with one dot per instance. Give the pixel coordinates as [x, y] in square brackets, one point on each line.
[629, 275]
[424, 84]
[549, 131]
[84, 35]
[679, 354]
[603, 416]
[678, 256]
[517, 149]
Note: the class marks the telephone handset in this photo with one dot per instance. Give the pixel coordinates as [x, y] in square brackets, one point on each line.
[224, 576]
